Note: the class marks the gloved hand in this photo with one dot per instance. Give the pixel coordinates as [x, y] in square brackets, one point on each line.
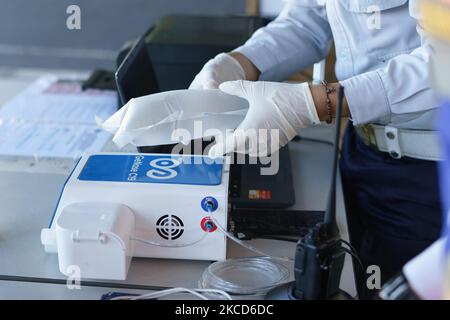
[282, 109]
[218, 70]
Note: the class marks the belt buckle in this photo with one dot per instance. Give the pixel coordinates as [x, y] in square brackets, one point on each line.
[367, 133]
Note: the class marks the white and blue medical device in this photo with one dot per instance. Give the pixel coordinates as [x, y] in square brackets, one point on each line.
[115, 206]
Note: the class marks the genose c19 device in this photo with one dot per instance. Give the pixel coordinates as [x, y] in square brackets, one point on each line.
[116, 206]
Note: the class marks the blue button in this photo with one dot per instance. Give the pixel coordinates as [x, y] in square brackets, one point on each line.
[209, 204]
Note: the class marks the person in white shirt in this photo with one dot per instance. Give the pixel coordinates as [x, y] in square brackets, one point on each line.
[389, 155]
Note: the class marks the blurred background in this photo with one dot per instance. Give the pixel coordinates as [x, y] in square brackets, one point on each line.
[34, 33]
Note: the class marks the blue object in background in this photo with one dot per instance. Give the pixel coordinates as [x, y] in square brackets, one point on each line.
[444, 127]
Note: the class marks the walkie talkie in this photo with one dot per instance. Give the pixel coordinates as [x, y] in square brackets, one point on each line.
[319, 256]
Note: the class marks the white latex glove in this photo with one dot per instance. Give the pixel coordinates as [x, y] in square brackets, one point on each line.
[279, 108]
[218, 70]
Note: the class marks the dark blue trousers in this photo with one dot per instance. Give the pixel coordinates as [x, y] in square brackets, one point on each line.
[393, 207]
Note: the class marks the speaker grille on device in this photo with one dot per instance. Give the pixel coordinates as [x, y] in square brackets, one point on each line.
[169, 227]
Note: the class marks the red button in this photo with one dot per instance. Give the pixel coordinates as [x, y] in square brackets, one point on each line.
[208, 225]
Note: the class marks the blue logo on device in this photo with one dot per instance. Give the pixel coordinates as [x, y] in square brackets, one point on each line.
[163, 168]
[169, 169]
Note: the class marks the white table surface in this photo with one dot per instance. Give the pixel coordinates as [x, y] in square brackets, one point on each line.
[29, 192]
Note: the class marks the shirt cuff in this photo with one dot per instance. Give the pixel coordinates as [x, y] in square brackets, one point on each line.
[367, 99]
[258, 54]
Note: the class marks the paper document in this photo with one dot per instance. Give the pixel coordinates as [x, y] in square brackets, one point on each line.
[55, 118]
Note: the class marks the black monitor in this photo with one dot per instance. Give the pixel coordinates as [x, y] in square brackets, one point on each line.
[135, 76]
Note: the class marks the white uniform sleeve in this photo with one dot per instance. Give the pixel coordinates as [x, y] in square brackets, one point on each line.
[398, 93]
[299, 37]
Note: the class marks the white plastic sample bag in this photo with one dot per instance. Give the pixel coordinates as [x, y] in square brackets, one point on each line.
[152, 120]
